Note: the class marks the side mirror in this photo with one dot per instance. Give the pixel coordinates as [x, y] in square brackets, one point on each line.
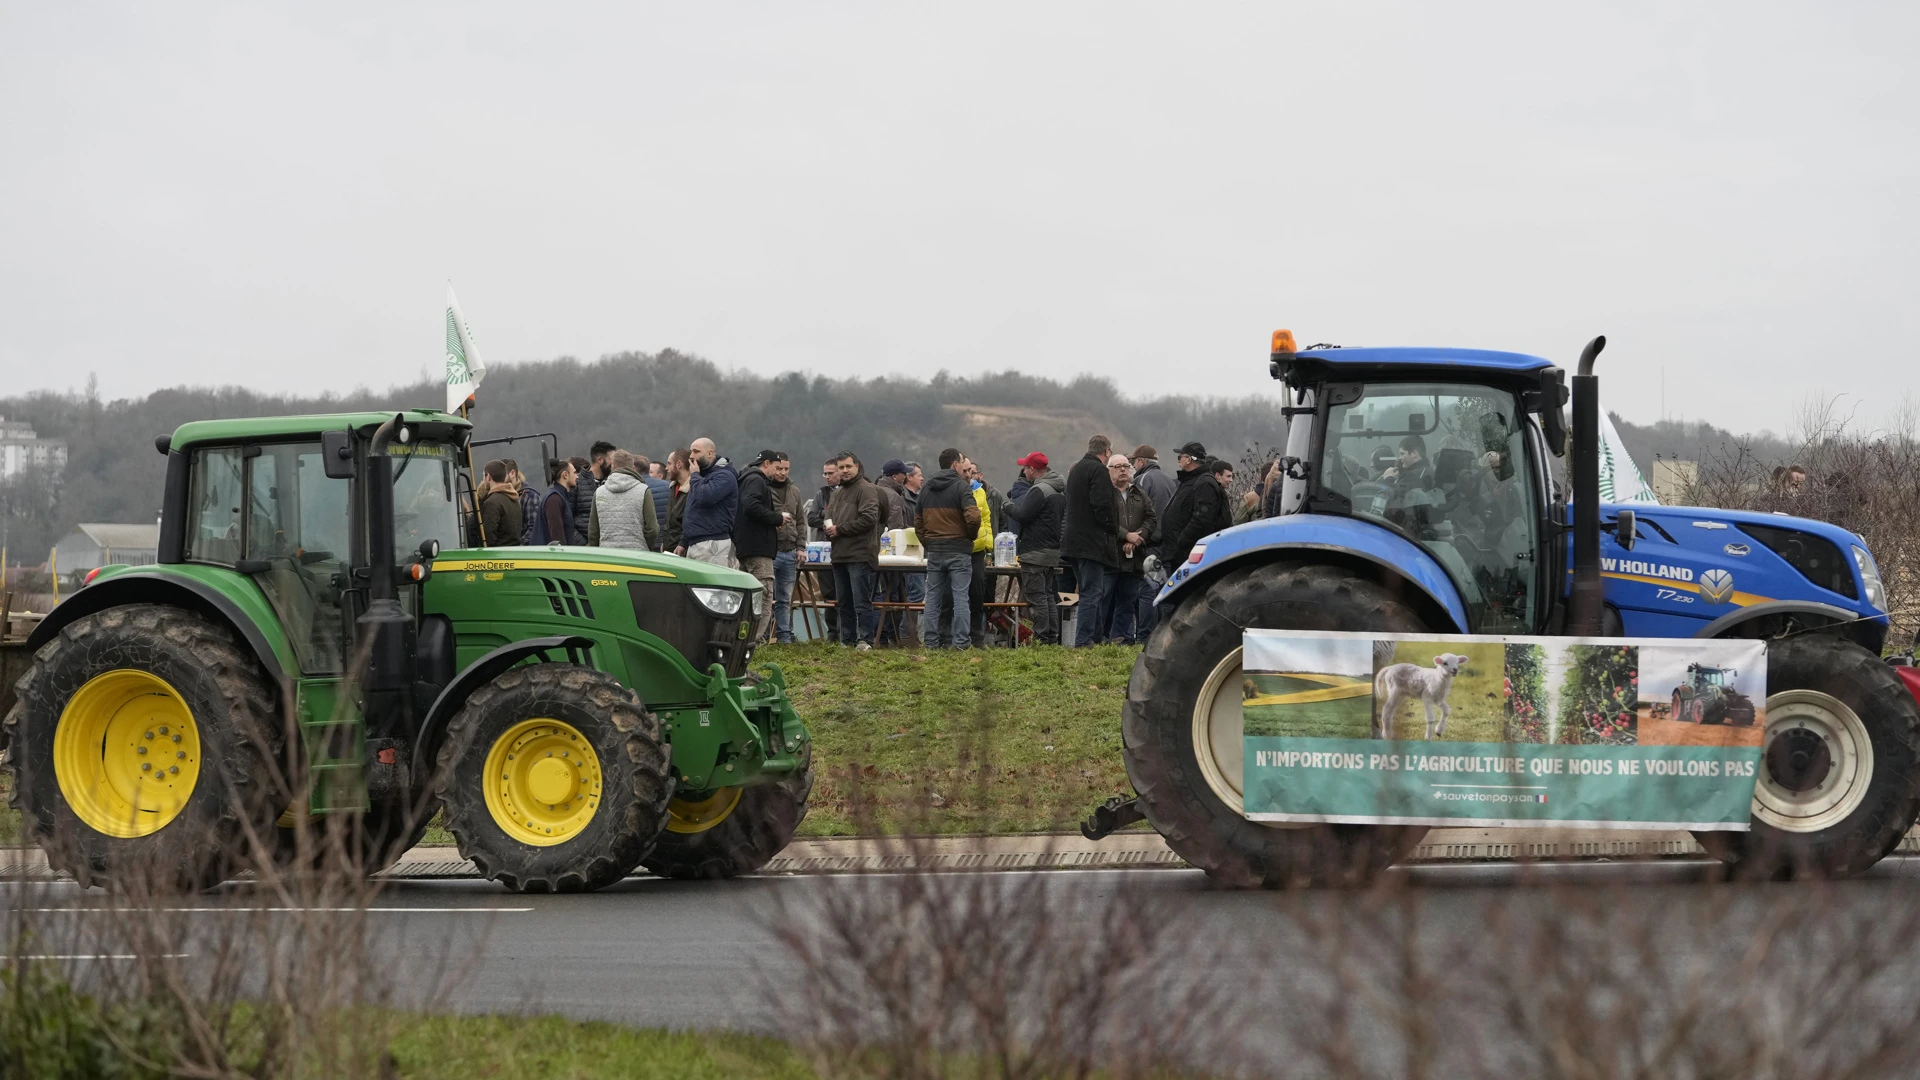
[1626, 529]
[336, 454]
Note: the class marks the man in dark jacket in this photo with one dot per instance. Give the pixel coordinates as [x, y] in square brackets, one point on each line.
[554, 523]
[1138, 523]
[893, 583]
[947, 522]
[592, 472]
[817, 530]
[1196, 505]
[756, 534]
[500, 509]
[713, 504]
[792, 537]
[660, 487]
[1090, 539]
[854, 522]
[1038, 512]
[1148, 477]
[679, 470]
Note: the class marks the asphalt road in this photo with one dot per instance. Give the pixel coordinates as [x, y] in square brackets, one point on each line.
[1244, 973]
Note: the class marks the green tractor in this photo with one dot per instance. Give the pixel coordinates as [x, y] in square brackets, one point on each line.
[1708, 697]
[305, 653]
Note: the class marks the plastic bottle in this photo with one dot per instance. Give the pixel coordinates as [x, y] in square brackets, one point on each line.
[1003, 550]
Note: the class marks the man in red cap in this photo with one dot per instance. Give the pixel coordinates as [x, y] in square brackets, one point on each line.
[1040, 512]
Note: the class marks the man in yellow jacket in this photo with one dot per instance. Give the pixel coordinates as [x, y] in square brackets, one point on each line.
[982, 543]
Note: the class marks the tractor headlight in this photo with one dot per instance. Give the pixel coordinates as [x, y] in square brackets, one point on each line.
[759, 602]
[1870, 577]
[722, 602]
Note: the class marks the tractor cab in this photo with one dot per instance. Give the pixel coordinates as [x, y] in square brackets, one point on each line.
[1446, 449]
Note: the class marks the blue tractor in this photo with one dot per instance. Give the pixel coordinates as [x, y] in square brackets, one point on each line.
[1420, 496]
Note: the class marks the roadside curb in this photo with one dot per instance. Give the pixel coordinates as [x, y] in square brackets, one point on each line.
[1062, 851]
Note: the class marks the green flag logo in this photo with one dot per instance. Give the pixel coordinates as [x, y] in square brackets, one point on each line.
[456, 355]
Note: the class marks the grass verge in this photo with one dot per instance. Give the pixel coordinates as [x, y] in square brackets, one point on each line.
[976, 741]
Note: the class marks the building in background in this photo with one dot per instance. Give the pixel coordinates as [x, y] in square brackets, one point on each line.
[90, 546]
[1671, 479]
[21, 449]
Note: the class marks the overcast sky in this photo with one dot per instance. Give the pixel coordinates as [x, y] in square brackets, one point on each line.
[275, 195]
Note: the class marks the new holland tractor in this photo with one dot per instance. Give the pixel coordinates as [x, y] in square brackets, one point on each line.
[1475, 536]
[1708, 697]
[304, 652]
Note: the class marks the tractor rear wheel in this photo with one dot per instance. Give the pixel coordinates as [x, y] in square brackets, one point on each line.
[142, 743]
[1183, 725]
[1837, 787]
[554, 778]
[732, 831]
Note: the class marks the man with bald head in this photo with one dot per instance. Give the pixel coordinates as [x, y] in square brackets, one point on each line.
[713, 502]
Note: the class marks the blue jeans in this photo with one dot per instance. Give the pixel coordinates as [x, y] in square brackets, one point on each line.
[853, 585]
[1094, 579]
[949, 578]
[1124, 602]
[783, 575]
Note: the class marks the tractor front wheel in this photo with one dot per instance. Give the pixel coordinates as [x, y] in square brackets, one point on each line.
[732, 831]
[1837, 784]
[554, 778]
[1183, 725]
[143, 743]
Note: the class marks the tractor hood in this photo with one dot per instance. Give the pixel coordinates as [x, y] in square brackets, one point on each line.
[647, 564]
[1699, 563]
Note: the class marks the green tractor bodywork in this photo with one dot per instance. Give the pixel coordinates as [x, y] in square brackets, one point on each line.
[393, 649]
[1708, 697]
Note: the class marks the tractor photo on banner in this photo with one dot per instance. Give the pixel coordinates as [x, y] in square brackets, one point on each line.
[1447, 729]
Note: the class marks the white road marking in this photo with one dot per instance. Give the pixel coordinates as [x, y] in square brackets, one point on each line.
[328, 910]
[100, 956]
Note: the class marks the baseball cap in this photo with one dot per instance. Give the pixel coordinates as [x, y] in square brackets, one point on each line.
[1035, 460]
[766, 456]
[1144, 451]
[1193, 450]
[893, 466]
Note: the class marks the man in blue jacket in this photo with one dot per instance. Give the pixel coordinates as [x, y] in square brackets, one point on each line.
[713, 502]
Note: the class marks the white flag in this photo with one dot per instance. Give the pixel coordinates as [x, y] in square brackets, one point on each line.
[1620, 479]
[465, 369]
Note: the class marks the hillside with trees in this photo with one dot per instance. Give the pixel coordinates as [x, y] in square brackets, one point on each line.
[649, 404]
[652, 403]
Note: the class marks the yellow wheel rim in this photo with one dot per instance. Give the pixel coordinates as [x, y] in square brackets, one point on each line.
[126, 753]
[543, 782]
[699, 815]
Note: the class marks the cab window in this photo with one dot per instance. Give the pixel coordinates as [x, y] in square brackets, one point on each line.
[297, 524]
[1446, 466]
[216, 495]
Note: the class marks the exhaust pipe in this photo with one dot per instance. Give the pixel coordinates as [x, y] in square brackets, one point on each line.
[1583, 613]
[388, 682]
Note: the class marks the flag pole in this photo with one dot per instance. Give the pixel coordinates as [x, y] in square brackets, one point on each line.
[473, 485]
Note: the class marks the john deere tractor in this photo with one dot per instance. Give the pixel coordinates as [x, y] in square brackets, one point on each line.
[305, 652]
[1467, 531]
[1708, 697]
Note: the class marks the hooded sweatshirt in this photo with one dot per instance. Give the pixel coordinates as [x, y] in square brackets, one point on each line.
[948, 518]
[623, 514]
[1040, 511]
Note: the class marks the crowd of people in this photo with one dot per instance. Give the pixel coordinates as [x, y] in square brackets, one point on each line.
[1108, 532]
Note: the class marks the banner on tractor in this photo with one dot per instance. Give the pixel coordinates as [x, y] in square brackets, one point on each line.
[1623, 733]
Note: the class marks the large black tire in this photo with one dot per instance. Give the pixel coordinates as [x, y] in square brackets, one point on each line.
[759, 825]
[633, 762]
[1873, 796]
[1189, 649]
[234, 708]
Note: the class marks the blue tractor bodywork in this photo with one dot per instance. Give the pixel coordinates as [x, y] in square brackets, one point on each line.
[1690, 571]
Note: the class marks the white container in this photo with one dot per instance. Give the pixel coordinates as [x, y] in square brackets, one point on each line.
[818, 552]
[1004, 547]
